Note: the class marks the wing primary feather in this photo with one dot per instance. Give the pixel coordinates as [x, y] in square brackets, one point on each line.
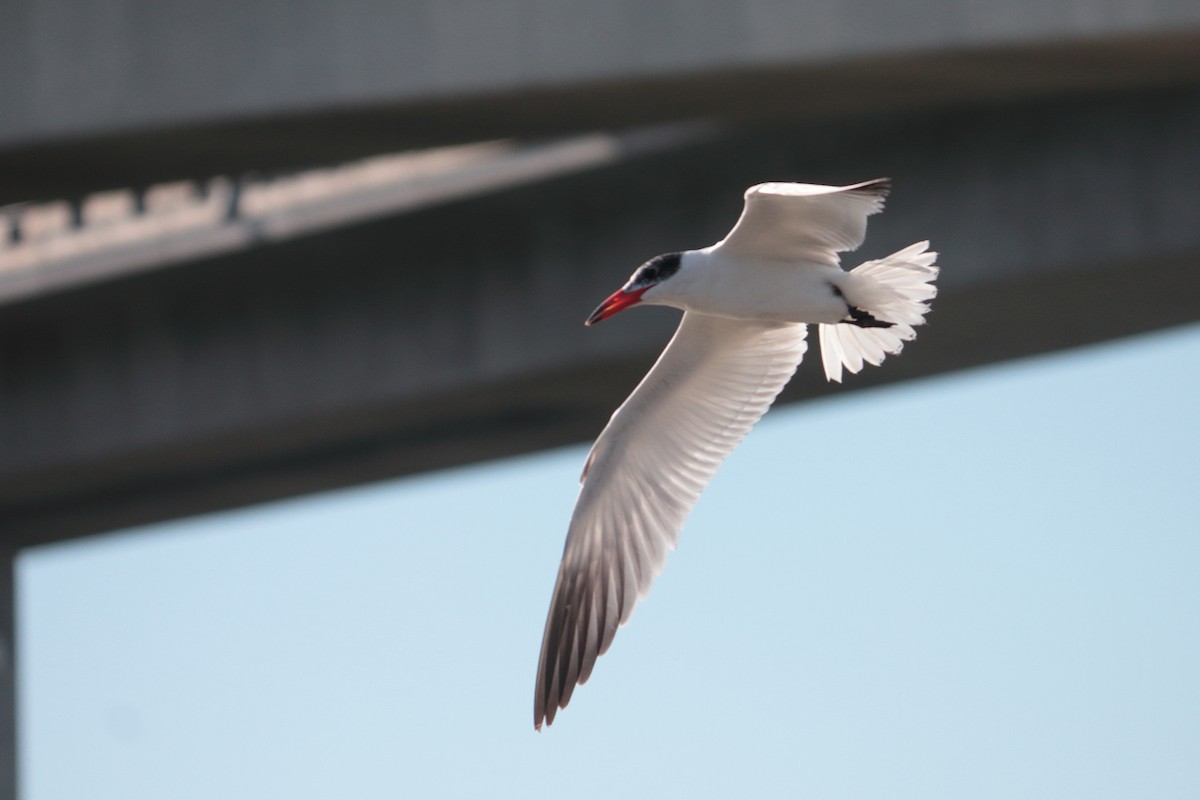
[592, 640]
[647, 469]
[612, 613]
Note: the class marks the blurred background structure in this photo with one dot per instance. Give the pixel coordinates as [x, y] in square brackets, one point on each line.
[253, 250]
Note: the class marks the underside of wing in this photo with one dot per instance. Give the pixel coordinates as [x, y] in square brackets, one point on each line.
[715, 379]
[804, 222]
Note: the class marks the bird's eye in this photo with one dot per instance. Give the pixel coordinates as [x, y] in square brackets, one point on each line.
[644, 277]
[656, 270]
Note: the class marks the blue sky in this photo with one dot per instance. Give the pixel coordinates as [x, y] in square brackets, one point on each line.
[1004, 604]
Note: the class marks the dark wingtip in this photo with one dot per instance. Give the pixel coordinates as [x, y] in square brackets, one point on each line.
[880, 187]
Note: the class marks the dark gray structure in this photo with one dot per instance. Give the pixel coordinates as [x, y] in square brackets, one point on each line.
[95, 98]
[1047, 149]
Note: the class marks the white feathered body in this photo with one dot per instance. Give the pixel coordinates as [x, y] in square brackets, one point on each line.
[711, 282]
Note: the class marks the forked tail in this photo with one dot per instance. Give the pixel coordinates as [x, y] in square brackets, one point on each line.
[894, 294]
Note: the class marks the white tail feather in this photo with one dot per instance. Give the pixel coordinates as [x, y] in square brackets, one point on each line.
[896, 289]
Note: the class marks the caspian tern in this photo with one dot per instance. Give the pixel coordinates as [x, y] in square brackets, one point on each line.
[747, 302]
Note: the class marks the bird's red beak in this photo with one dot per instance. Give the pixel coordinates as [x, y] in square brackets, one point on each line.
[617, 301]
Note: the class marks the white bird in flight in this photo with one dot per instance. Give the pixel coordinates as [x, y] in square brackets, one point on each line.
[747, 302]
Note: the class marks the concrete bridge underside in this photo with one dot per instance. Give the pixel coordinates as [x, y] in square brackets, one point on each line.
[97, 96]
[453, 334]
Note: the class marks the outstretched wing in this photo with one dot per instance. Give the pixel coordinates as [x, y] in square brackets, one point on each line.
[803, 221]
[715, 379]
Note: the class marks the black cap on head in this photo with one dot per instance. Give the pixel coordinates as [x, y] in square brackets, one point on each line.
[656, 270]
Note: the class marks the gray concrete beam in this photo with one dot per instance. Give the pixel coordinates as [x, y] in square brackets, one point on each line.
[453, 334]
[73, 68]
[97, 96]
